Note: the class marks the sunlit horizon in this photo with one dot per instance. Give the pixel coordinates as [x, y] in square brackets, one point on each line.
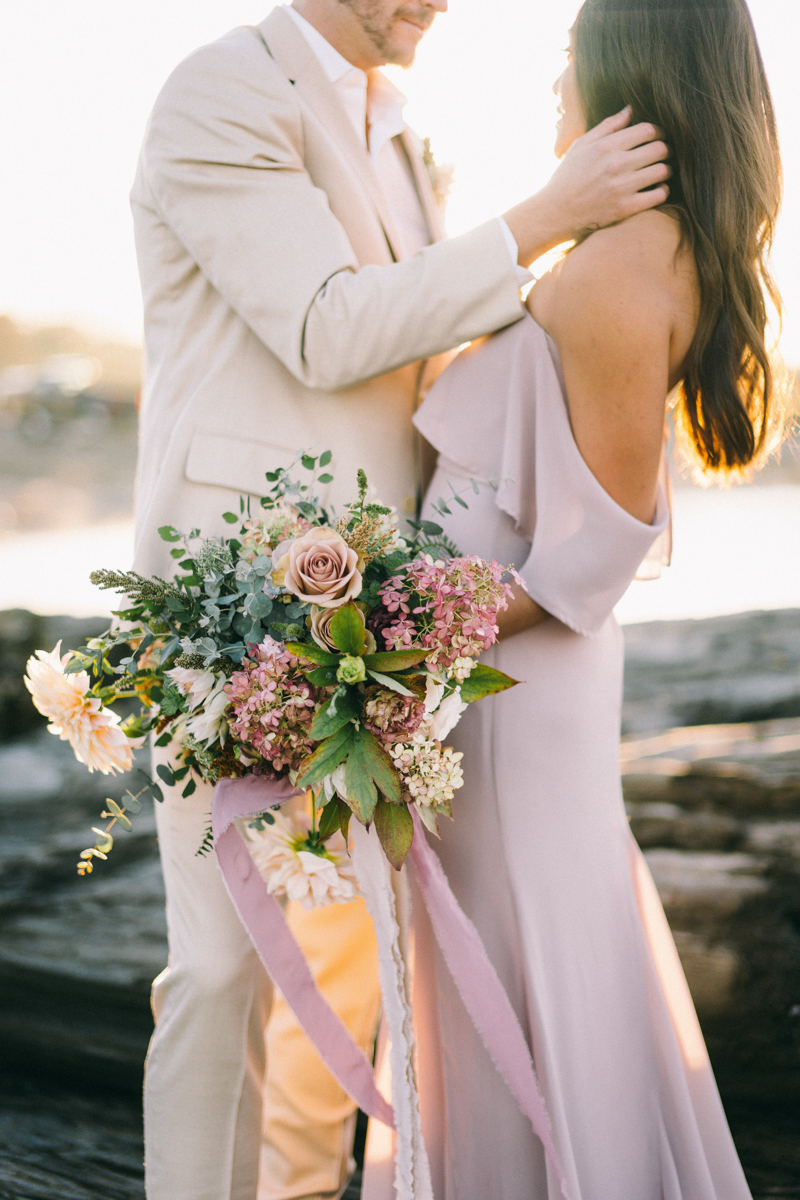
[77, 83]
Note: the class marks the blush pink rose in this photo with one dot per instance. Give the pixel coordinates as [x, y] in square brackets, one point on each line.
[319, 567]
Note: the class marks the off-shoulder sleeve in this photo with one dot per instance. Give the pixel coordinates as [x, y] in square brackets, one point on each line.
[500, 412]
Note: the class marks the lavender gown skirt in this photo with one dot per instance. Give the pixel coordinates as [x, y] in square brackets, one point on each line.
[539, 854]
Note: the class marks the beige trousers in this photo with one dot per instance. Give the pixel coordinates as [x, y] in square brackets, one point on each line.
[215, 1118]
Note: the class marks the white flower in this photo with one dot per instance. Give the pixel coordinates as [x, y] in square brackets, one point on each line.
[430, 772]
[446, 716]
[335, 784]
[291, 870]
[209, 722]
[434, 690]
[462, 668]
[80, 719]
[197, 685]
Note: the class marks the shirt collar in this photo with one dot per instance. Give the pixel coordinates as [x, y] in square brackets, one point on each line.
[334, 64]
[383, 102]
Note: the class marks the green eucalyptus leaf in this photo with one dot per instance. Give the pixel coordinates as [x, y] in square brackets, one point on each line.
[190, 788]
[165, 774]
[230, 517]
[169, 533]
[326, 478]
[325, 458]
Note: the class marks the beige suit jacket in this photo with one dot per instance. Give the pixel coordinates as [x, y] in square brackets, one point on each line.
[276, 316]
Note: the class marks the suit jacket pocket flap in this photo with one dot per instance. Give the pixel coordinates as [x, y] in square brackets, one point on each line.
[236, 463]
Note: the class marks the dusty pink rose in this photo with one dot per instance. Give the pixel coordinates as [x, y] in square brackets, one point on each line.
[319, 567]
[320, 630]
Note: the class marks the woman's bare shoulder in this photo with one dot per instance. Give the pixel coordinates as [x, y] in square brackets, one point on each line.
[642, 265]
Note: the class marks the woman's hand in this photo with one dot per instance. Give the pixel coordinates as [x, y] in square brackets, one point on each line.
[598, 183]
[522, 613]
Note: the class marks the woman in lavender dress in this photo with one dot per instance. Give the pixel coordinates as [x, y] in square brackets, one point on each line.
[565, 412]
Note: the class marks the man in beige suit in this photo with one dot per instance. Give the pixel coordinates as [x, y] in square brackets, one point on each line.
[295, 282]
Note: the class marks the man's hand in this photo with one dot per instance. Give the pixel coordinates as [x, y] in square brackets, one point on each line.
[598, 183]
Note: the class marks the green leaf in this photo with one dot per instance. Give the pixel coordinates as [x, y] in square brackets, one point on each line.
[308, 462]
[345, 813]
[178, 552]
[379, 765]
[325, 758]
[395, 830]
[330, 818]
[326, 478]
[313, 653]
[157, 792]
[347, 630]
[164, 773]
[362, 795]
[231, 518]
[393, 660]
[391, 683]
[325, 458]
[169, 533]
[485, 681]
[190, 788]
[345, 709]
[322, 676]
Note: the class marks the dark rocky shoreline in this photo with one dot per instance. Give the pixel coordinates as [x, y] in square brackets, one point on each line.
[717, 813]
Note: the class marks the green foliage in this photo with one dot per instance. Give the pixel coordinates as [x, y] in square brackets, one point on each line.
[393, 660]
[347, 630]
[343, 707]
[313, 652]
[485, 681]
[395, 829]
[325, 758]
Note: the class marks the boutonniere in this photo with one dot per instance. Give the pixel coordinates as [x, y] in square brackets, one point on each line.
[440, 175]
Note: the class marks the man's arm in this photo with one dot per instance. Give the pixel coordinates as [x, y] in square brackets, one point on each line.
[223, 157]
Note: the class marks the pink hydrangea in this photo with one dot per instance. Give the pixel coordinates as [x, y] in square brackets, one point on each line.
[272, 705]
[455, 607]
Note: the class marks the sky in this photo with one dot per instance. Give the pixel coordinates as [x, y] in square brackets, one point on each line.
[78, 79]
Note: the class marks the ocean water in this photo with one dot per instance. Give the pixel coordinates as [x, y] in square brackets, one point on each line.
[734, 551]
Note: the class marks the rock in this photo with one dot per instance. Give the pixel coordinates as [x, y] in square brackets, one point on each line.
[744, 667]
[697, 889]
[21, 634]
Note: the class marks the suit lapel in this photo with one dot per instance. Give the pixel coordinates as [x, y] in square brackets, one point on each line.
[297, 60]
[430, 208]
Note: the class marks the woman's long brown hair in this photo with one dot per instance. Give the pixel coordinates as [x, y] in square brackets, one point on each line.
[693, 67]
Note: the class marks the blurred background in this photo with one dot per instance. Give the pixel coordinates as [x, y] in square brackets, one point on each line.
[712, 718]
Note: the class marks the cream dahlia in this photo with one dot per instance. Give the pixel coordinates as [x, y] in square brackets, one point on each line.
[76, 716]
[290, 869]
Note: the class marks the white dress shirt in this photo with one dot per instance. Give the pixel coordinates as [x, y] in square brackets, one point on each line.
[375, 106]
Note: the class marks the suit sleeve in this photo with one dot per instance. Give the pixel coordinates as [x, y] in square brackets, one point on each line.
[223, 158]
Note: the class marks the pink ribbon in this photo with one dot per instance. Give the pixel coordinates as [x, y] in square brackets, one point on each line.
[275, 944]
[484, 996]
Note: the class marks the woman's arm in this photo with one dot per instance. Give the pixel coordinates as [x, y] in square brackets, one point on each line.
[522, 613]
[622, 309]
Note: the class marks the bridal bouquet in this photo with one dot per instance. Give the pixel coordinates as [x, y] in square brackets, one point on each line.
[335, 652]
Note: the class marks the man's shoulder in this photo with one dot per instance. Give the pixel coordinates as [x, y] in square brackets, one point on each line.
[238, 63]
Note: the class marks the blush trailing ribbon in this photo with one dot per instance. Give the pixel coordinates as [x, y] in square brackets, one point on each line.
[483, 994]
